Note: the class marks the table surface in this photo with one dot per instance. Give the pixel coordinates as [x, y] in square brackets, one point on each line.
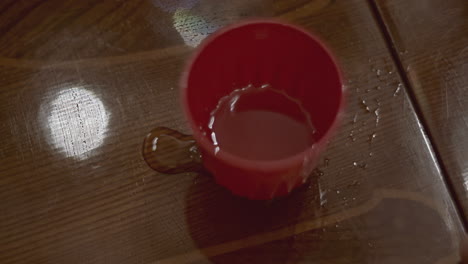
[83, 82]
[433, 51]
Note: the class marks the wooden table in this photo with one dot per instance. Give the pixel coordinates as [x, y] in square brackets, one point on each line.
[83, 82]
[433, 52]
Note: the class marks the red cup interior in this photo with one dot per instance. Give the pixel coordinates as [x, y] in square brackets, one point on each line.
[257, 53]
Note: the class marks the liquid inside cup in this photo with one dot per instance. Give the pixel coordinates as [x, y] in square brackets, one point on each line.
[260, 123]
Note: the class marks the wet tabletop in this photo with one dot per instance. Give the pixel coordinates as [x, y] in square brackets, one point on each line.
[433, 50]
[83, 82]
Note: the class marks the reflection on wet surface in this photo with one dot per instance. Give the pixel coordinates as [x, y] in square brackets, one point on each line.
[191, 27]
[76, 121]
[169, 151]
[194, 20]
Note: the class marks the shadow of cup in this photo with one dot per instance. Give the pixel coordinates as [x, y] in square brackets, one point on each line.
[221, 223]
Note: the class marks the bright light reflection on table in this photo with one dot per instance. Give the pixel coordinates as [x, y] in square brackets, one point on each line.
[77, 121]
[192, 28]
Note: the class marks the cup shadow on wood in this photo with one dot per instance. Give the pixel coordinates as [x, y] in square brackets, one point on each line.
[221, 223]
[230, 229]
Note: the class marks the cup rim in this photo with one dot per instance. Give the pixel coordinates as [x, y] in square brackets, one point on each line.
[235, 160]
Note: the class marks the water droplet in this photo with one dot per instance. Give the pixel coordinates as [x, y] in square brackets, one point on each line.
[323, 199]
[195, 154]
[398, 89]
[364, 105]
[351, 136]
[378, 72]
[372, 137]
[377, 116]
[355, 118]
[318, 172]
[360, 165]
[337, 191]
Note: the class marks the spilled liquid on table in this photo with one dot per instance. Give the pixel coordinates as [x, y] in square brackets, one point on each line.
[169, 151]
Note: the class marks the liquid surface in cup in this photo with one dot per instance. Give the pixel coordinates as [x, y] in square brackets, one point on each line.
[261, 123]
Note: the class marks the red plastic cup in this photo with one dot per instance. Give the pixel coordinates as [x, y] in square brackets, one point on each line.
[256, 53]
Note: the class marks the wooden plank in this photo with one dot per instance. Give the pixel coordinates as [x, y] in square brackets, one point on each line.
[432, 43]
[371, 237]
[76, 192]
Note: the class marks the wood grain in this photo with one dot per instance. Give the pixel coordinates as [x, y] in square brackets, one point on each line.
[364, 234]
[432, 44]
[83, 82]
